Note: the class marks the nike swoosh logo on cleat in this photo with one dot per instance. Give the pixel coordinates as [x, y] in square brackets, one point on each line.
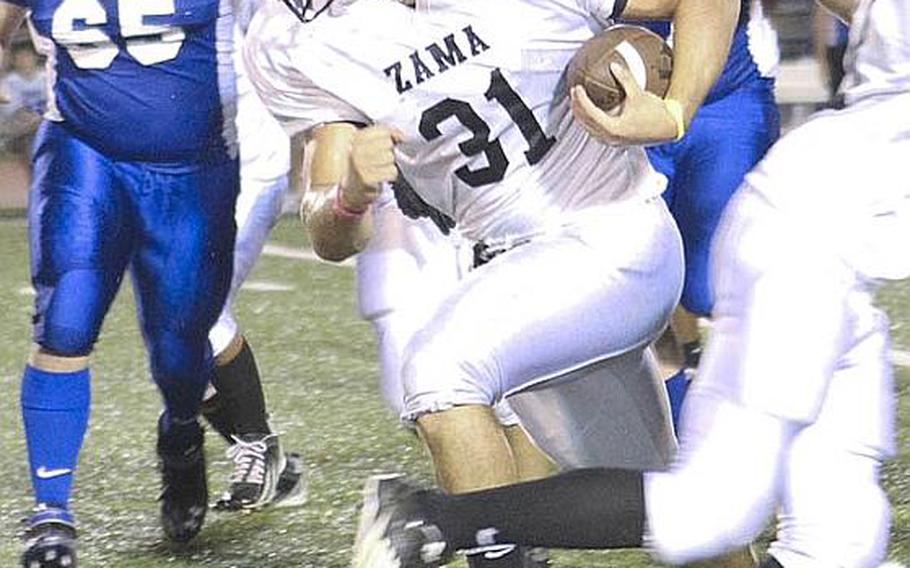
[44, 473]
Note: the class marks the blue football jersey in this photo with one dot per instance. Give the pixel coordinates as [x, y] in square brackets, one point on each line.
[148, 80]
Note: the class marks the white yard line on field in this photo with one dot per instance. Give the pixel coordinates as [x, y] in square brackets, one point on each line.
[266, 286]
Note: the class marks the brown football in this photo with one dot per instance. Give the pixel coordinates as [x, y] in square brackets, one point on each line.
[643, 52]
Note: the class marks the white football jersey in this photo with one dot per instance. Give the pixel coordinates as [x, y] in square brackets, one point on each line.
[878, 56]
[476, 86]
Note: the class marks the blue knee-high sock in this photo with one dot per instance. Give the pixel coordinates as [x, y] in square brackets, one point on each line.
[55, 408]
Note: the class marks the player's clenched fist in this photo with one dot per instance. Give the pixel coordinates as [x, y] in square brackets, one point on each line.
[372, 162]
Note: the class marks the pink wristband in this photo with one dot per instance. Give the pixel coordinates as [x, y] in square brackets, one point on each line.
[339, 209]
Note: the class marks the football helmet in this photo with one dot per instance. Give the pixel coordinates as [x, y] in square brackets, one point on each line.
[308, 10]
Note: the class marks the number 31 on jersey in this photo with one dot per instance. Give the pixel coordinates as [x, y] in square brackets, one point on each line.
[497, 162]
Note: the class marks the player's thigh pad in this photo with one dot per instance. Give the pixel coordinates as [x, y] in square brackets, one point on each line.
[588, 291]
[80, 240]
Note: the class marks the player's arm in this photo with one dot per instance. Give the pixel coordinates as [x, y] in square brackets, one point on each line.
[345, 166]
[703, 30]
[11, 16]
[843, 9]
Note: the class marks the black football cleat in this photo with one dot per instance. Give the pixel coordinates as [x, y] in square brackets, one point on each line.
[184, 491]
[50, 539]
[393, 530]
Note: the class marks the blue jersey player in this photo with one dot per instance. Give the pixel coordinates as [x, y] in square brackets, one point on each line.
[134, 167]
[730, 133]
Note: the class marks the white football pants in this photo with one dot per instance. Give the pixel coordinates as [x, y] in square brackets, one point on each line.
[599, 286]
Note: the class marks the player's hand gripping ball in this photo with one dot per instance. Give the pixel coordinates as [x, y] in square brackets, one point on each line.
[645, 54]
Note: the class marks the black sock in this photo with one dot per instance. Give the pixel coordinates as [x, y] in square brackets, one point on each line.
[240, 405]
[586, 508]
[691, 354]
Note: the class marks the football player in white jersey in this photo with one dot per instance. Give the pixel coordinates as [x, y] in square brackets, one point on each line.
[474, 115]
[797, 364]
[234, 404]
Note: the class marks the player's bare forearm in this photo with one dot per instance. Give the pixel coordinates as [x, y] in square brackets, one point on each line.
[703, 30]
[335, 235]
[843, 9]
[337, 228]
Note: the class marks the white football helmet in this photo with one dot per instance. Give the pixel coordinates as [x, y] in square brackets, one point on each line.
[308, 10]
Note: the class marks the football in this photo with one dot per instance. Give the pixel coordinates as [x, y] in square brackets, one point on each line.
[640, 50]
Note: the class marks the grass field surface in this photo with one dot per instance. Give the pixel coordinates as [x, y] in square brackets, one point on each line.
[320, 371]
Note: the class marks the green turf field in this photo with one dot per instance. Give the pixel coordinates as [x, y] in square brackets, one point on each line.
[320, 371]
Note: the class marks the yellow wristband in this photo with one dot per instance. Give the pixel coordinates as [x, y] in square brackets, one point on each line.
[674, 107]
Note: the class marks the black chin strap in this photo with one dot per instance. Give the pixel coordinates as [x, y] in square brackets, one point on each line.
[303, 9]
